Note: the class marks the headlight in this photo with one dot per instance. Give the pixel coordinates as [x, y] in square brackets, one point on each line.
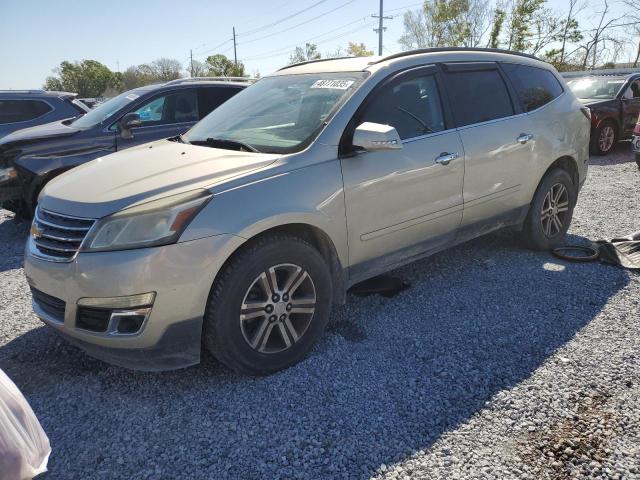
[155, 223]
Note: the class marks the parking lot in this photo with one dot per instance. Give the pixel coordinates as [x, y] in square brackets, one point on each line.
[497, 362]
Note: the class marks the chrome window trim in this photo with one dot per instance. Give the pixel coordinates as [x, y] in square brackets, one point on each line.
[495, 120]
[428, 135]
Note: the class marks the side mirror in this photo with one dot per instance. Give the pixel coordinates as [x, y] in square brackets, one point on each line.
[375, 136]
[127, 122]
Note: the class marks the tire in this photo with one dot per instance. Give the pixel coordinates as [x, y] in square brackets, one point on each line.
[281, 331]
[540, 231]
[604, 138]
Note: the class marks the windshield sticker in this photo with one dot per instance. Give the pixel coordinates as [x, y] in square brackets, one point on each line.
[132, 96]
[333, 84]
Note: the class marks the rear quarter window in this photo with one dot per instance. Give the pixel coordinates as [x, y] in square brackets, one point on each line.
[12, 111]
[535, 86]
[478, 96]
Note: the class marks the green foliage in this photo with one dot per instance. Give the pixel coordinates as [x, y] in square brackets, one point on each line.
[88, 78]
[499, 16]
[358, 50]
[220, 66]
[309, 52]
[521, 20]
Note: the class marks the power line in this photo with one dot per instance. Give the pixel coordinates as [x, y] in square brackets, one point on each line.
[277, 22]
[298, 24]
[282, 50]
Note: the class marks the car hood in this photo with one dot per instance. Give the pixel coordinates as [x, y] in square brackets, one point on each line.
[144, 173]
[46, 130]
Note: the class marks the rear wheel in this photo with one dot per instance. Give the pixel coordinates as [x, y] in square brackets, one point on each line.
[269, 306]
[604, 138]
[550, 212]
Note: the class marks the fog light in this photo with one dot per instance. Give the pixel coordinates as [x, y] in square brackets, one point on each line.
[131, 301]
[127, 323]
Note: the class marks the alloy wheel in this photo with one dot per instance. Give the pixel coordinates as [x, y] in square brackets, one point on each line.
[555, 209]
[607, 136]
[278, 308]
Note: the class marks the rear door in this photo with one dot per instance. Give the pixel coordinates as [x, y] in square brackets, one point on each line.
[498, 142]
[211, 97]
[164, 115]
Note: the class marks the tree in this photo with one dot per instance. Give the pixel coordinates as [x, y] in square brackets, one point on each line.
[220, 66]
[197, 69]
[88, 78]
[358, 50]
[598, 42]
[522, 16]
[570, 31]
[309, 52]
[499, 16]
[445, 23]
[165, 69]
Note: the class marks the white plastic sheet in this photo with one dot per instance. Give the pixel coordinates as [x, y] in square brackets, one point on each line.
[24, 447]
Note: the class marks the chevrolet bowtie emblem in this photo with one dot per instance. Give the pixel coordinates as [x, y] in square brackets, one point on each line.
[36, 232]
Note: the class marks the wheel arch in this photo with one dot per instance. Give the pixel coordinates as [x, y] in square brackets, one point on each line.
[317, 237]
[568, 164]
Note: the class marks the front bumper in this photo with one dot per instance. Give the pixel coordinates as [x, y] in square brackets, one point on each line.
[180, 274]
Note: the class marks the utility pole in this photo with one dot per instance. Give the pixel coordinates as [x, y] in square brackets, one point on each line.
[191, 55]
[381, 28]
[235, 54]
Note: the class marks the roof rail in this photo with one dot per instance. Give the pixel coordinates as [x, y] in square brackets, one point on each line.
[41, 91]
[313, 61]
[454, 49]
[607, 71]
[22, 91]
[210, 79]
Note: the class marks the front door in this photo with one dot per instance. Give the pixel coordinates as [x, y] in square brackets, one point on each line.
[163, 116]
[630, 108]
[401, 203]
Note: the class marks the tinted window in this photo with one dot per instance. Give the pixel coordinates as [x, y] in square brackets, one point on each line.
[536, 87]
[212, 97]
[176, 107]
[22, 110]
[478, 96]
[411, 105]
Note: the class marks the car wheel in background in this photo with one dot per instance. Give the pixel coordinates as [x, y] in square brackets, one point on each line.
[550, 212]
[604, 138]
[268, 306]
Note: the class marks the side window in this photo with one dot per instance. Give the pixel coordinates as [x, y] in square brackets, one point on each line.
[210, 98]
[411, 105]
[633, 91]
[175, 107]
[535, 86]
[22, 110]
[478, 96]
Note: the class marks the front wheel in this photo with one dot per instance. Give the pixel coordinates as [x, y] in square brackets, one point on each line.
[268, 306]
[550, 212]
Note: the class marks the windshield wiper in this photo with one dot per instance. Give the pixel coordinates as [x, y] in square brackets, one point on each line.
[226, 143]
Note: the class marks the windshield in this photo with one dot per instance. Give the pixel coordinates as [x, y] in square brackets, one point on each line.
[595, 87]
[105, 110]
[279, 114]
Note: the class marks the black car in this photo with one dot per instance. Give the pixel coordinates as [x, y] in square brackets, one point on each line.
[613, 96]
[28, 108]
[31, 157]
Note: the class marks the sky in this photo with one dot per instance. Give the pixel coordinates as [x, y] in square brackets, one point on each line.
[36, 35]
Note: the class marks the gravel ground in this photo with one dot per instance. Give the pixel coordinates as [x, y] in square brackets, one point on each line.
[496, 363]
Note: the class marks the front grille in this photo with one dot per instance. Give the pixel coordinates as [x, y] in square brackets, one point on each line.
[93, 319]
[58, 237]
[50, 305]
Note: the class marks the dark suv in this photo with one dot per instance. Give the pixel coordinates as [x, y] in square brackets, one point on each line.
[31, 157]
[28, 108]
[613, 96]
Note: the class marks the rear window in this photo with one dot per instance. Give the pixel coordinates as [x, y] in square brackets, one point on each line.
[478, 96]
[12, 111]
[210, 98]
[535, 86]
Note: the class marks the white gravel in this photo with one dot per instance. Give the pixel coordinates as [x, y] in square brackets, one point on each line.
[496, 363]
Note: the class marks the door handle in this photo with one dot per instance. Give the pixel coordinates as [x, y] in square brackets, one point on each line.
[524, 138]
[445, 158]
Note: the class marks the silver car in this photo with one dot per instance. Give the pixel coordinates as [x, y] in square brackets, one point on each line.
[240, 234]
